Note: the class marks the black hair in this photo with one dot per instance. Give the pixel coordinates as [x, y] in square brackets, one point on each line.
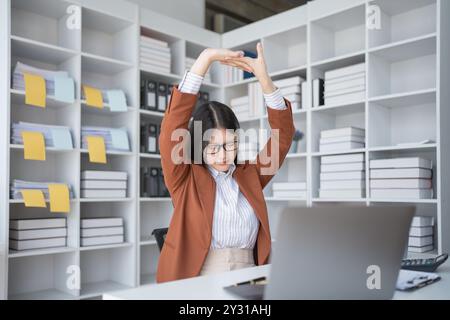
[211, 115]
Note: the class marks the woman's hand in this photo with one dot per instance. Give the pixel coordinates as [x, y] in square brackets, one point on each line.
[257, 66]
[210, 55]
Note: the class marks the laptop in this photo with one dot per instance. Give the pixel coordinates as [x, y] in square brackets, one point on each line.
[334, 253]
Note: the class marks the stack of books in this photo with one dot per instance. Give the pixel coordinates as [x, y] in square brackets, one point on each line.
[345, 85]
[116, 139]
[25, 234]
[342, 176]
[257, 105]
[240, 107]
[18, 185]
[401, 178]
[154, 55]
[190, 62]
[247, 151]
[101, 231]
[421, 234]
[103, 184]
[295, 190]
[231, 75]
[291, 90]
[342, 139]
[52, 134]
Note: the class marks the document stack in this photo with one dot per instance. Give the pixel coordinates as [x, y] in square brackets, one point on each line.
[18, 185]
[247, 151]
[401, 178]
[26, 234]
[295, 190]
[345, 85]
[291, 90]
[342, 139]
[107, 95]
[155, 55]
[101, 231]
[54, 136]
[103, 184]
[116, 139]
[421, 234]
[342, 176]
[190, 63]
[241, 107]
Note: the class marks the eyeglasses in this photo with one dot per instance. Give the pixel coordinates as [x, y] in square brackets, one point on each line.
[215, 148]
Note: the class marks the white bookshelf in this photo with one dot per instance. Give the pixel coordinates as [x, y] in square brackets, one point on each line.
[407, 73]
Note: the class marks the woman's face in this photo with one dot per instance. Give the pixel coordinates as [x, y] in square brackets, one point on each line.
[222, 149]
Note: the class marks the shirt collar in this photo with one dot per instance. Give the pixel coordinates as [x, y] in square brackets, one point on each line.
[219, 174]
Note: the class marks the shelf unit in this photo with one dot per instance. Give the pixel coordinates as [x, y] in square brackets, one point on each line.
[407, 73]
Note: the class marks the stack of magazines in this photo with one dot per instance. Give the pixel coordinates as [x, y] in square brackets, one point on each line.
[50, 133]
[18, 185]
[115, 139]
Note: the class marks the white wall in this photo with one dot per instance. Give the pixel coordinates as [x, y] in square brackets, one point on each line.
[190, 11]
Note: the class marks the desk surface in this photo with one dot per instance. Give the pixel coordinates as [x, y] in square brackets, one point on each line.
[211, 287]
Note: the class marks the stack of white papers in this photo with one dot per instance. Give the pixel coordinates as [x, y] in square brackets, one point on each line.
[401, 178]
[155, 55]
[101, 231]
[55, 136]
[342, 176]
[289, 190]
[345, 85]
[421, 234]
[115, 138]
[291, 90]
[103, 184]
[240, 107]
[190, 62]
[342, 139]
[18, 185]
[25, 234]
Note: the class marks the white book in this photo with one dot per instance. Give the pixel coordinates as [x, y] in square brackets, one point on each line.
[101, 222]
[103, 175]
[288, 82]
[401, 183]
[99, 232]
[339, 194]
[103, 184]
[341, 146]
[339, 167]
[342, 184]
[346, 78]
[152, 68]
[420, 249]
[103, 193]
[306, 94]
[422, 221]
[412, 162]
[342, 92]
[291, 90]
[293, 97]
[345, 71]
[290, 194]
[289, 186]
[243, 108]
[346, 175]
[345, 84]
[402, 193]
[27, 224]
[37, 233]
[360, 139]
[400, 173]
[420, 231]
[239, 100]
[37, 243]
[96, 241]
[154, 41]
[347, 131]
[346, 98]
[420, 241]
[342, 158]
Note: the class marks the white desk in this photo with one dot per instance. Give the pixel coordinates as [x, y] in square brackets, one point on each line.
[210, 287]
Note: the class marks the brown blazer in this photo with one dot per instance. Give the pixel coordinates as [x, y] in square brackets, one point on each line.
[192, 189]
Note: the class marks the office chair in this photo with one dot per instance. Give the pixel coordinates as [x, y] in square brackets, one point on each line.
[160, 235]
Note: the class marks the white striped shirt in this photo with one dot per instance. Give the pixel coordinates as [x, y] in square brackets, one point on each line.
[235, 224]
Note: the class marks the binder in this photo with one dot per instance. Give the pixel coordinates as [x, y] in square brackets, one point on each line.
[142, 182]
[143, 135]
[318, 97]
[150, 95]
[162, 96]
[157, 134]
[163, 189]
[151, 138]
[169, 92]
[152, 182]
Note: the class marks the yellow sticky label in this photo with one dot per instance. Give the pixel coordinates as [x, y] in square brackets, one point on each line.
[96, 149]
[93, 97]
[59, 198]
[33, 198]
[35, 90]
[34, 145]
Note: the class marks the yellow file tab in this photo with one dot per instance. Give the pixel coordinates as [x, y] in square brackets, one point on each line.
[35, 93]
[59, 198]
[96, 149]
[93, 97]
[33, 198]
[33, 145]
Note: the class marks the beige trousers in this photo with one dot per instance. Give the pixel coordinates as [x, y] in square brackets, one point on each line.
[221, 260]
